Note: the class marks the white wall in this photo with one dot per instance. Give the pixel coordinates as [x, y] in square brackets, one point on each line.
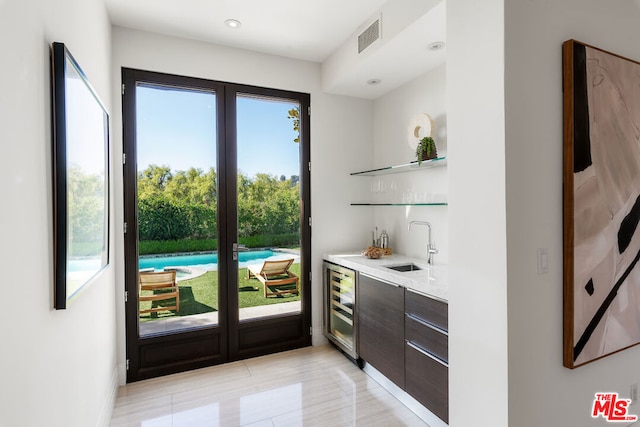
[541, 391]
[392, 114]
[341, 134]
[478, 380]
[58, 367]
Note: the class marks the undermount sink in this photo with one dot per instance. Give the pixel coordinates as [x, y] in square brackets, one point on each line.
[405, 267]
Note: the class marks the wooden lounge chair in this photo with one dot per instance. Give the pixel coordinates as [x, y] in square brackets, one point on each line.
[275, 276]
[163, 285]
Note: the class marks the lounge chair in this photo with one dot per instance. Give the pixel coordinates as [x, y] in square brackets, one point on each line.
[163, 285]
[275, 276]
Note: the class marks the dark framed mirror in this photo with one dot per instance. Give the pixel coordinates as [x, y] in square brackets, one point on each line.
[80, 178]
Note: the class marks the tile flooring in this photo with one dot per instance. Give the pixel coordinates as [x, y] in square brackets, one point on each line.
[313, 386]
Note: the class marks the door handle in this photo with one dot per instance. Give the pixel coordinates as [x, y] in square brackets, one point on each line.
[234, 250]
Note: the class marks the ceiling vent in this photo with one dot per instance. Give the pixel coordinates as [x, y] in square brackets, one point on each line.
[368, 36]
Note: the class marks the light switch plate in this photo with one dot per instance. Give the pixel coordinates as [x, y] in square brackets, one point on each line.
[543, 261]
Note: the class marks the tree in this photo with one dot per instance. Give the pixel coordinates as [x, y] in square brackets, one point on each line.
[267, 205]
[294, 114]
[183, 204]
[86, 209]
[193, 186]
[153, 180]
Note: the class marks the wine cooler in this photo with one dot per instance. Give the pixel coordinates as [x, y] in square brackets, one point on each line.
[340, 320]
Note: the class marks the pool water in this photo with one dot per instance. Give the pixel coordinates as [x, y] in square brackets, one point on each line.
[207, 261]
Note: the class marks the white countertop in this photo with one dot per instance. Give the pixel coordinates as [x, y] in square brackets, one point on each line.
[431, 280]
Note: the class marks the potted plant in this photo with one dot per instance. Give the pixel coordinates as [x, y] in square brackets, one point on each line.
[426, 149]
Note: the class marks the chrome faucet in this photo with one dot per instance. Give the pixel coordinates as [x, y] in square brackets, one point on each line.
[431, 247]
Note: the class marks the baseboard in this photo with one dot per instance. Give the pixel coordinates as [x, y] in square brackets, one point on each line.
[109, 400]
[414, 406]
[317, 337]
[122, 373]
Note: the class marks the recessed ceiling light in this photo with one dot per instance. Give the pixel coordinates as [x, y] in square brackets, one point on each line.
[233, 23]
[374, 81]
[435, 46]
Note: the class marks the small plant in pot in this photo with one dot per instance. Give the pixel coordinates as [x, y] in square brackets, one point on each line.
[426, 149]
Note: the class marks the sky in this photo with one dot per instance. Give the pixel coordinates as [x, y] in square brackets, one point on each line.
[178, 128]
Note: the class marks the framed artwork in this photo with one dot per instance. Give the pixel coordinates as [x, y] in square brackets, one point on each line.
[601, 203]
[80, 178]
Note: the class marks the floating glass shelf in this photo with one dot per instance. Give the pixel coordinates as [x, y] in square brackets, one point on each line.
[408, 167]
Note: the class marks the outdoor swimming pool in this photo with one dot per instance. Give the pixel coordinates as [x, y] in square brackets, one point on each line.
[209, 261]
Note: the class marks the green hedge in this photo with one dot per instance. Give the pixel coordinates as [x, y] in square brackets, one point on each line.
[280, 240]
[151, 247]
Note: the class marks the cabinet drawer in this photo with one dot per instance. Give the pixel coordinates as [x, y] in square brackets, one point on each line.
[427, 380]
[427, 309]
[426, 337]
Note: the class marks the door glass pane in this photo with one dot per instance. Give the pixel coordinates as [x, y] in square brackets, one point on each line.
[177, 208]
[269, 281]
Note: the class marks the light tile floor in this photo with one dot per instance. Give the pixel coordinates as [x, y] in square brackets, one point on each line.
[313, 386]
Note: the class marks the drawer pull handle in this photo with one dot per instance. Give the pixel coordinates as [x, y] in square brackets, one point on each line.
[427, 324]
[424, 353]
[426, 295]
[381, 280]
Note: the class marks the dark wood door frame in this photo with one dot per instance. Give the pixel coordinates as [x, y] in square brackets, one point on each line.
[263, 336]
[158, 355]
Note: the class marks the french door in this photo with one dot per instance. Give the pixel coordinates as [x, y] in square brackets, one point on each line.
[216, 192]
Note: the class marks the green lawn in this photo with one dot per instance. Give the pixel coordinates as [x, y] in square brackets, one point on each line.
[200, 295]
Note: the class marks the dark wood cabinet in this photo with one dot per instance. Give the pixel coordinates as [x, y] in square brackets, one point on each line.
[426, 337]
[433, 311]
[381, 327]
[427, 352]
[404, 335]
[428, 381]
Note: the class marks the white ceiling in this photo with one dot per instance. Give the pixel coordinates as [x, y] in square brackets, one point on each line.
[305, 29]
[320, 31]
